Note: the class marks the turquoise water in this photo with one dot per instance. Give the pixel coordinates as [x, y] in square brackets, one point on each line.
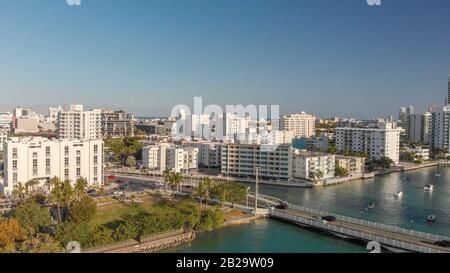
[346, 199]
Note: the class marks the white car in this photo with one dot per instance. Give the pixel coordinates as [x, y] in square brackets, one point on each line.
[118, 192]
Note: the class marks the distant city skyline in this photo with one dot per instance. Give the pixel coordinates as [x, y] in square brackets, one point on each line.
[328, 58]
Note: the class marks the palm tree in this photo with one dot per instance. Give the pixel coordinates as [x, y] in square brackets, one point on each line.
[175, 180]
[67, 193]
[56, 194]
[201, 192]
[19, 191]
[80, 187]
[31, 184]
[166, 175]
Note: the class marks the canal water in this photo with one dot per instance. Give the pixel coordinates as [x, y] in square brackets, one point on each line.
[351, 199]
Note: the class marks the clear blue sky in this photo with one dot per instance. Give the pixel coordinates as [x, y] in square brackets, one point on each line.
[328, 57]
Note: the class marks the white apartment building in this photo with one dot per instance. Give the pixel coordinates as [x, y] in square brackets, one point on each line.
[79, 124]
[265, 138]
[300, 124]
[182, 158]
[354, 165]
[6, 120]
[230, 126]
[418, 127]
[379, 140]
[154, 157]
[41, 159]
[440, 134]
[162, 156]
[419, 152]
[53, 113]
[197, 126]
[209, 153]
[26, 125]
[307, 165]
[3, 137]
[240, 160]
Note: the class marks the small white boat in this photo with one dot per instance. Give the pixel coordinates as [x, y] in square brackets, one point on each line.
[371, 206]
[428, 187]
[438, 174]
[431, 218]
[398, 194]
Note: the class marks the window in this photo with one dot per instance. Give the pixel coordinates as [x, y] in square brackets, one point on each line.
[66, 162]
[14, 152]
[66, 173]
[95, 171]
[35, 167]
[14, 178]
[95, 159]
[14, 165]
[34, 154]
[78, 172]
[95, 149]
[66, 150]
[47, 166]
[47, 151]
[78, 161]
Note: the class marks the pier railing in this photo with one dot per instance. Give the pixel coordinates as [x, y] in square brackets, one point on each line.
[394, 229]
[355, 234]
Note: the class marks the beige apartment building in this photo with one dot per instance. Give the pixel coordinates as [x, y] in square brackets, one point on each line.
[353, 164]
[300, 124]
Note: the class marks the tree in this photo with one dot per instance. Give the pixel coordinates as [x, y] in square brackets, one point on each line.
[82, 210]
[41, 243]
[80, 188]
[19, 191]
[201, 192]
[385, 162]
[166, 175]
[175, 179]
[341, 171]
[32, 217]
[56, 195]
[66, 232]
[10, 231]
[231, 191]
[30, 185]
[131, 161]
[102, 236]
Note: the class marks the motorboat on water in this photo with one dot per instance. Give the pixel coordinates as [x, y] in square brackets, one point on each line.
[431, 218]
[438, 174]
[370, 206]
[428, 187]
[398, 194]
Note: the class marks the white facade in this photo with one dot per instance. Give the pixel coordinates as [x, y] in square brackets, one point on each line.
[420, 152]
[41, 159]
[440, 134]
[53, 113]
[418, 127]
[300, 124]
[182, 158]
[79, 124]
[154, 157]
[3, 138]
[230, 126]
[209, 153]
[26, 125]
[240, 160]
[197, 126]
[6, 120]
[307, 165]
[380, 141]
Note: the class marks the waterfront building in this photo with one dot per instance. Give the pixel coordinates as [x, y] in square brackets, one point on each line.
[79, 124]
[53, 113]
[117, 124]
[182, 159]
[307, 165]
[353, 164]
[440, 134]
[300, 124]
[240, 160]
[209, 153]
[418, 127]
[377, 140]
[41, 159]
[419, 152]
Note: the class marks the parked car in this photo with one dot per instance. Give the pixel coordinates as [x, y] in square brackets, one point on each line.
[443, 243]
[118, 192]
[270, 207]
[329, 218]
